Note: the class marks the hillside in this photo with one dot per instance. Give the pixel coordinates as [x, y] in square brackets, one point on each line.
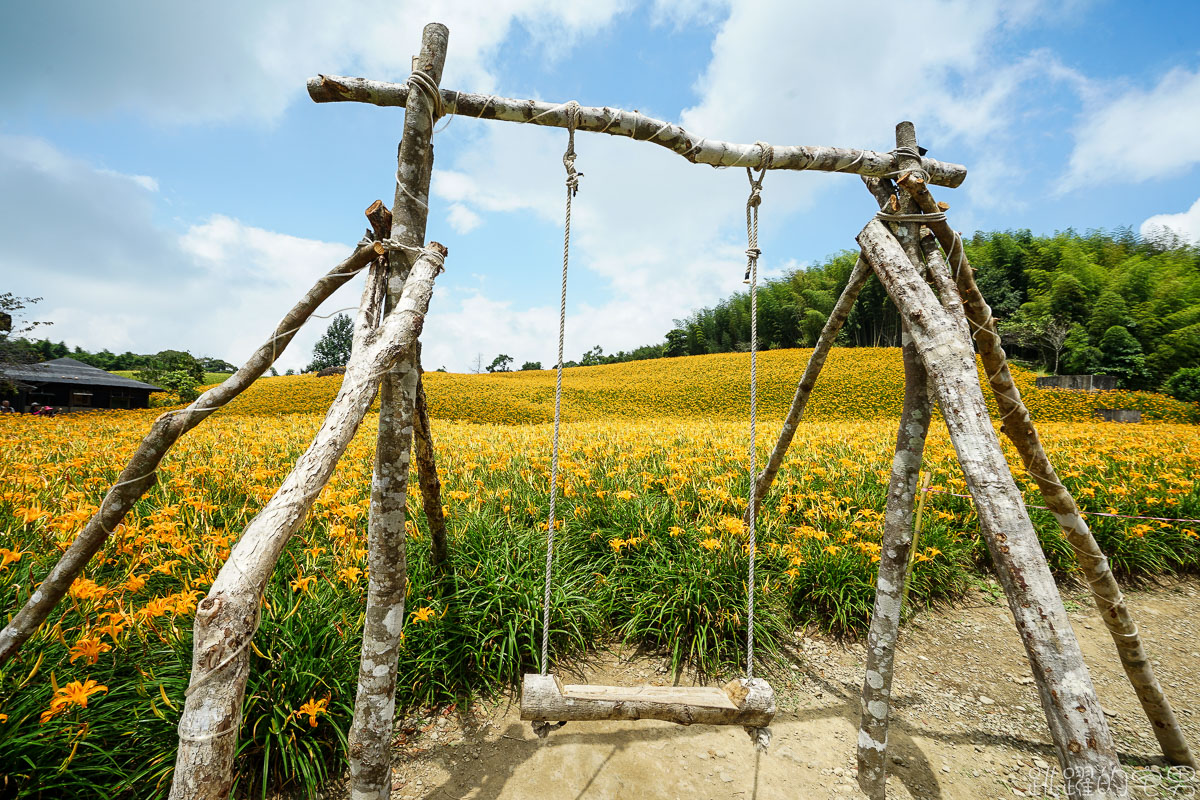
[856, 383]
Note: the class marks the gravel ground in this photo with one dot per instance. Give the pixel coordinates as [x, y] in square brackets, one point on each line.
[967, 722]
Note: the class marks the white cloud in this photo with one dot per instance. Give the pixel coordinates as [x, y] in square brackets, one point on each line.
[227, 60]
[1185, 225]
[1140, 134]
[666, 236]
[463, 219]
[122, 281]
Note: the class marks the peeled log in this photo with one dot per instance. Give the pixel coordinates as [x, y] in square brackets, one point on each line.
[893, 567]
[227, 618]
[1019, 428]
[615, 122]
[748, 702]
[1073, 712]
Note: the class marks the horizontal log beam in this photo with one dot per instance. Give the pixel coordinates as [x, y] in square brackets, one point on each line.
[615, 122]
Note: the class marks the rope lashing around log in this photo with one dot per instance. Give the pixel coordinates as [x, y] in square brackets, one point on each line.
[749, 701]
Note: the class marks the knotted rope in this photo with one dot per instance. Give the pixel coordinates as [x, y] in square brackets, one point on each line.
[572, 183]
[426, 85]
[752, 254]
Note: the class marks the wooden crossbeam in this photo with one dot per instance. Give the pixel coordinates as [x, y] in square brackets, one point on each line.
[616, 122]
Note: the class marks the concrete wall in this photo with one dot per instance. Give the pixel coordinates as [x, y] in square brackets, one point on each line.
[1079, 383]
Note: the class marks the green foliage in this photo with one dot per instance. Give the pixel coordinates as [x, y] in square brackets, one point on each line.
[1079, 357]
[1121, 356]
[527, 365]
[333, 348]
[1185, 385]
[501, 363]
[1038, 288]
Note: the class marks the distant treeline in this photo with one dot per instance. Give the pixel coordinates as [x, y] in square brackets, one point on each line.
[1108, 302]
[25, 350]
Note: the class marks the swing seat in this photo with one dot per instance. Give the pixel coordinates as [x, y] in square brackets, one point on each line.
[749, 702]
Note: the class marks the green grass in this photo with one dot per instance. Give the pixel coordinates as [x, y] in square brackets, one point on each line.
[209, 377]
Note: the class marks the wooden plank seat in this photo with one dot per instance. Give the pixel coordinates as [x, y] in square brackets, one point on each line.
[747, 702]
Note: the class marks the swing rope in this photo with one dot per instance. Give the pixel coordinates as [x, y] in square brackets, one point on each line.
[752, 254]
[572, 189]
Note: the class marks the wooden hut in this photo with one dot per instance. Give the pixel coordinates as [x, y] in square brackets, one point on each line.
[72, 386]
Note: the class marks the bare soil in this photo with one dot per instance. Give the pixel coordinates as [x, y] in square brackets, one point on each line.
[967, 723]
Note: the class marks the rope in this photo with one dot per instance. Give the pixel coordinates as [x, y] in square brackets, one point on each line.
[421, 80]
[572, 183]
[752, 254]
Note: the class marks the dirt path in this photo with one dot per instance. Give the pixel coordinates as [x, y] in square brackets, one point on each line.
[967, 723]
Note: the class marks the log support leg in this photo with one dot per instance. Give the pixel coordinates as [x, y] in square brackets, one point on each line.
[375, 703]
[889, 587]
[1077, 724]
[1019, 428]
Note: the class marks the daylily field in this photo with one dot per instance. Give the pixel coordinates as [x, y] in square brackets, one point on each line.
[652, 551]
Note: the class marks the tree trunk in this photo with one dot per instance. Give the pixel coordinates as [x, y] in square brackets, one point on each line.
[139, 473]
[893, 567]
[431, 495]
[375, 703]
[837, 318]
[1074, 715]
[1018, 426]
[615, 122]
[228, 617]
[431, 487]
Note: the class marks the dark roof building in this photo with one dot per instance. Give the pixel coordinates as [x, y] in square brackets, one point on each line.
[73, 386]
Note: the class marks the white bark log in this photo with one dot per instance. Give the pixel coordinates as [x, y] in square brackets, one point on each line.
[749, 702]
[615, 122]
[370, 736]
[1019, 428]
[1076, 721]
[889, 586]
[227, 618]
[138, 476]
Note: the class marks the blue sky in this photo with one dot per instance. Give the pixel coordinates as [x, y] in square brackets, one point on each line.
[166, 182]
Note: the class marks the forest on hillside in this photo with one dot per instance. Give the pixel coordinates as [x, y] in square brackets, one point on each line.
[1096, 302]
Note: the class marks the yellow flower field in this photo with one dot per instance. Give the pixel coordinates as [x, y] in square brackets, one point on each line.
[856, 383]
[652, 548]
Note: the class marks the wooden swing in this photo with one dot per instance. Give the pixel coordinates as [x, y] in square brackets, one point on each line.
[748, 701]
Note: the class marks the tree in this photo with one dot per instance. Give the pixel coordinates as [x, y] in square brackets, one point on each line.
[1044, 333]
[1109, 310]
[210, 364]
[333, 348]
[179, 360]
[1184, 385]
[811, 325]
[477, 364]
[14, 349]
[500, 363]
[1080, 358]
[677, 343]
[531, 365]
[180, 383]
[1121, 357]
[592, 357]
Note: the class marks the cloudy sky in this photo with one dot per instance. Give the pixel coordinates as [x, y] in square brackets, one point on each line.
[166, 182]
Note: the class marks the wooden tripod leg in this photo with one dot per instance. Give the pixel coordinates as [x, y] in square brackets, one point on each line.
[1077, 724]
[893, 564]
[431, 492]
[1019, 428]
[837, 318]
